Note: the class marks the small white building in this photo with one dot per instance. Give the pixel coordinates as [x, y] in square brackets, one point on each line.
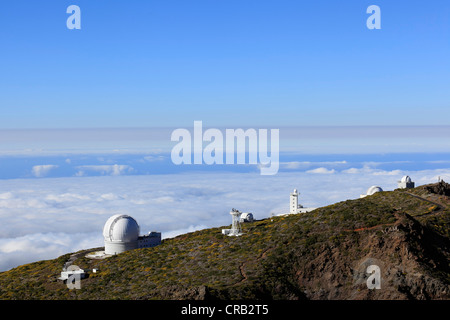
[149, 240]
[246, 217]
[74, 270]
[372, 190]
[65, 274]
[294, 206]
[406, 183]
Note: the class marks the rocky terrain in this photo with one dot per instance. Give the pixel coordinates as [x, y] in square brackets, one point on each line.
[323, 254]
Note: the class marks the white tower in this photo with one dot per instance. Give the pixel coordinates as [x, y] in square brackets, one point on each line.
[293, 204]
[235, 224]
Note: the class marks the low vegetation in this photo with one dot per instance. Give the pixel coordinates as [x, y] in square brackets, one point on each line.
[304, 256]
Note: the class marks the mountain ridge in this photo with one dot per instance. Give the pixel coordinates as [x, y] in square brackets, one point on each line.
[319, 255]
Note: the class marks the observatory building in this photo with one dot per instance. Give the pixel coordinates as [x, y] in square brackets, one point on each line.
[294, 206]
[406, 183]
[372, 190]
[121, 233]
[237, 218]
[246, 217]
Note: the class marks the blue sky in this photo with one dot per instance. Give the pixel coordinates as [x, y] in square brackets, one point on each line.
[227, 63]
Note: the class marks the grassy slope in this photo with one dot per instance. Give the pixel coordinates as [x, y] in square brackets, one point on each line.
[294, 256]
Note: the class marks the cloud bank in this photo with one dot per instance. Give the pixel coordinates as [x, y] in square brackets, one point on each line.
[307, 139]
[45, 218]
[114, 170]
[321, 170]
[42, 170]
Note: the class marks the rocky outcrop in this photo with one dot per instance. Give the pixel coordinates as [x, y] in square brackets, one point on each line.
[413, 264]
[441, 188]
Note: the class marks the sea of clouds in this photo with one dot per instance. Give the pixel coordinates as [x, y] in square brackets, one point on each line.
[45, 218]
[58, 187]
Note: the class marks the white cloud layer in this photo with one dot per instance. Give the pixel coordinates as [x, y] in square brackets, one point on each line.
[42, 170]
[45, 218]
[310, 139]
[113, 170]
[321, 170]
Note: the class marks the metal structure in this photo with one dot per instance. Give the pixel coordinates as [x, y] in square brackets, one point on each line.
[235, 224]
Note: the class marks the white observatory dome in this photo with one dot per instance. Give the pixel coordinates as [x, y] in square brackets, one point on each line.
[406, 179]
[372, 190]
[121, 233]
[121, 227]
[246, 217]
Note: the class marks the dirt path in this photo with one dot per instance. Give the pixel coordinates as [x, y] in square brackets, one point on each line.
[242, 266]
[72, 259]
[243, 274]
[441, 208]
[371, 228]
